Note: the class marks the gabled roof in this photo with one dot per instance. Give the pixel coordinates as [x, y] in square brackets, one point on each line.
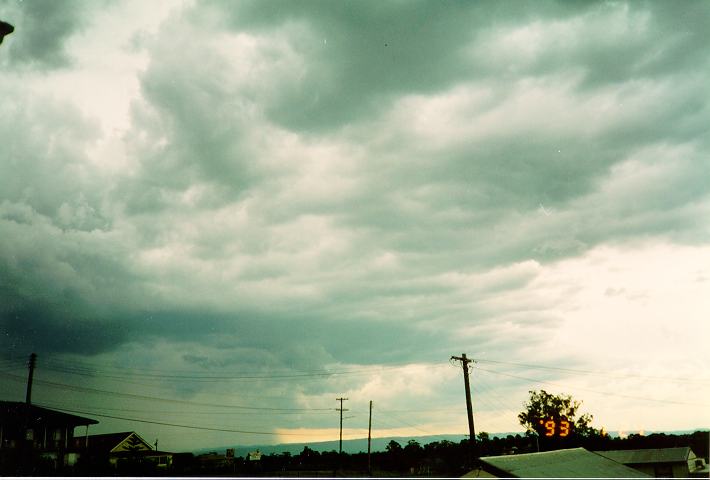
[11, 412]
[569, 463]
[108, 442]
[648, 455]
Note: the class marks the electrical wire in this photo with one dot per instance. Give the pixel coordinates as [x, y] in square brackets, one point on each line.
[595, 391]
[191, 412]
[104, 370]
[145, 397]
[387, 412]
[195, 427]
[597, 373]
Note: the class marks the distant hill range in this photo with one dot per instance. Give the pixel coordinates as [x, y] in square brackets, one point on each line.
[378, 444]
[349, 446]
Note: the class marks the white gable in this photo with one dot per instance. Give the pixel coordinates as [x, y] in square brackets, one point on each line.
[132, 442]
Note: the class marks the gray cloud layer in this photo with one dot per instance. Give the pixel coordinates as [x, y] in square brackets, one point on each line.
[344, 176]
[42, 28]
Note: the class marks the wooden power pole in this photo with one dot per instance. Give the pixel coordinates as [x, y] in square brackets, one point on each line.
[340, 443]
[30, 375]
[341, 410]
[369, 441]
[469, 406]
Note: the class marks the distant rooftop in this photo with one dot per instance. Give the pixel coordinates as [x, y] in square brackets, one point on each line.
[569, 463]
[648, 455]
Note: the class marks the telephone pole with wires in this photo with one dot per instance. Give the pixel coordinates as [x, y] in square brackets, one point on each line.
[341, 410]
[369, 441]
[30, 376]
[340, 443]
[469, 406]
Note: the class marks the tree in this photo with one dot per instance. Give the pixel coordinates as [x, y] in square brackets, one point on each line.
[412, 453]
[393, 447]
[413, 446]
[543, 405]
[133, 464]
[394, 455]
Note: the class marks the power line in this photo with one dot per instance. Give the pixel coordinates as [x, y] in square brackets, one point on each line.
[82, 368]
[251, 410]
[145, 397]
[190, 412]
[88, 369]
[386, 412]
[210, 378]
[195, 427]
[599, 373]
[594, 391]
[153, 385]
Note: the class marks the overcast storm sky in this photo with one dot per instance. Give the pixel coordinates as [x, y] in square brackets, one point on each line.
[333, 198]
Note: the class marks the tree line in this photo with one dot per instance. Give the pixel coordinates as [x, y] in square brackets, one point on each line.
[440, 458]
[551, 422]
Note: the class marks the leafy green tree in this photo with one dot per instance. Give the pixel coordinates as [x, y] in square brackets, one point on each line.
[393, 447]
[557, 407]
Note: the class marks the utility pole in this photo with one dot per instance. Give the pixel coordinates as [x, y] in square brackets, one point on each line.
[469, 407]
[28, 433]
[341, 410]
[369, 441]
[340, 443]
[33, 361]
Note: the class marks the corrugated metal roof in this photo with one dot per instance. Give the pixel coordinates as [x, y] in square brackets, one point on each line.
[569, 463]
[648, 455]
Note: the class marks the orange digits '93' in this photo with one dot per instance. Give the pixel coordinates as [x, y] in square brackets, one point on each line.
[551, 429]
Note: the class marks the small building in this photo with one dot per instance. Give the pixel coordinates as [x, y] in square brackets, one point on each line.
[29, 434]
[125, 446]
[677, 462]
[568, 463]
[212, 461]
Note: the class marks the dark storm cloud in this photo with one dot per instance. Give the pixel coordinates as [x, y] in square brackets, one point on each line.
[45, 162]
[60, 289]
[361, 55]
[672, 42]
[306, 172]
[476, 201]
[42, 28]
[58, 328]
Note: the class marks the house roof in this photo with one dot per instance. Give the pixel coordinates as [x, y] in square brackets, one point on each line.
[106, 442]
[648, 455]
[569, 463]
[14, 411]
